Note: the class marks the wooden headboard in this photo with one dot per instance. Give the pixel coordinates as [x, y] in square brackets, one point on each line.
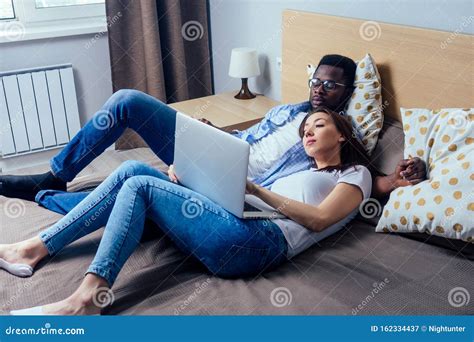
[419, 67]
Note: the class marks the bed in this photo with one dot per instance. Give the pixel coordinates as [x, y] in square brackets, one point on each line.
[354, 272]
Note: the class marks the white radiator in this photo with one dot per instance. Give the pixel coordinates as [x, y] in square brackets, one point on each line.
[38, 109]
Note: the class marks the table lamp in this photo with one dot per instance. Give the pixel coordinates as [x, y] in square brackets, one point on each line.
[244, 64]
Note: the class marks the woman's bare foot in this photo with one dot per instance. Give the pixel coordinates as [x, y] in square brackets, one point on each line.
[86, 300]
[28, 252]
[71, 307]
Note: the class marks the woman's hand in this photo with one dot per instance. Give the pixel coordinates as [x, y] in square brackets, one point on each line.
[409, 172]
[415, 171]
[172, 175]
[250, 188]
[340, 202]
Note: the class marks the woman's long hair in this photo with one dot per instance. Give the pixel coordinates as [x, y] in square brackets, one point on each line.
[352, 151]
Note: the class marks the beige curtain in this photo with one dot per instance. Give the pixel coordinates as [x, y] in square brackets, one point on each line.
[160, 47]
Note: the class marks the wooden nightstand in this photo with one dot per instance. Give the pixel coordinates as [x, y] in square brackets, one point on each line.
[224, 111]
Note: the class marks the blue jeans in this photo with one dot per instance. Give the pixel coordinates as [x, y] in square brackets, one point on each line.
[153, 120]
[226, 245]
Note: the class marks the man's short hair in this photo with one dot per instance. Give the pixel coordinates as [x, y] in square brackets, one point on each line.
[343, 62]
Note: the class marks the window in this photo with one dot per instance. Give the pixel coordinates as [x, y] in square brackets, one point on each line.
[57, 3]
[34, 19]
[70, 10]
[6, 9]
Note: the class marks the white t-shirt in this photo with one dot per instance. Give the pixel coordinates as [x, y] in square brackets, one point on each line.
[265, 152]
[312, 187]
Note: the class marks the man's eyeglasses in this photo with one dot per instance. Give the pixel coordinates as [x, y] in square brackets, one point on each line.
[328, 85]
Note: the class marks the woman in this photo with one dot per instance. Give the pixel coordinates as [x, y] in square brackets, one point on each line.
[316, 202]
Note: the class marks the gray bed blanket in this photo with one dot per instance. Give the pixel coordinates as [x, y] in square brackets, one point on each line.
[354, 272]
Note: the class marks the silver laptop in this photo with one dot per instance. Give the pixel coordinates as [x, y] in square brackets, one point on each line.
[215, 163]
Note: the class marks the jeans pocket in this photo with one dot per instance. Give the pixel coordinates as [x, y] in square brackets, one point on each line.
[240, 261]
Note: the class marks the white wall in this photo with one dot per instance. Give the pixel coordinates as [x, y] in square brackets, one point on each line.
[89, 55]
[257, 23]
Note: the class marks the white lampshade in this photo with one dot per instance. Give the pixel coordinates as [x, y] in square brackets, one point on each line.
[244, 63]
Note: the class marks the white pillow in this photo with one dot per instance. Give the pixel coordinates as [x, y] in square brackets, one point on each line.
[444, 203]
[365, 105]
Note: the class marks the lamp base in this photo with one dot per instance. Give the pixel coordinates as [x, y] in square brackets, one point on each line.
[244, 92]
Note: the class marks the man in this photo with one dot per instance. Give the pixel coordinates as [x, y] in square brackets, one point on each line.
[276, 149]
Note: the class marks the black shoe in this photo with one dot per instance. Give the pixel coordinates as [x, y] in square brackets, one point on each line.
[26, 187]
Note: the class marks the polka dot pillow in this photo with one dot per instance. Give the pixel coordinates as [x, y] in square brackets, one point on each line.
[444, 203]
[365, 105]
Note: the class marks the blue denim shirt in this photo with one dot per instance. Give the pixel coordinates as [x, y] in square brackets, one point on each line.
[293, 160]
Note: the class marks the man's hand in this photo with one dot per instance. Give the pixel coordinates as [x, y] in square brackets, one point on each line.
[207, 122]
[409, 172]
